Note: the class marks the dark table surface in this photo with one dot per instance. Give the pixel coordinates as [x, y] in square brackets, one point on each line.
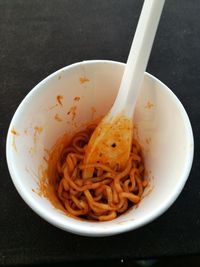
[38, 37]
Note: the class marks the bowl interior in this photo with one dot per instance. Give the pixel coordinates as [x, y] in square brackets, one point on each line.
[70, 98]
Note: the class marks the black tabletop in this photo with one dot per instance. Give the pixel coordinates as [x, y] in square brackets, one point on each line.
[38, 37]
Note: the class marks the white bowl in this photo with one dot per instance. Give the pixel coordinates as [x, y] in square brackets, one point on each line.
[163, 128]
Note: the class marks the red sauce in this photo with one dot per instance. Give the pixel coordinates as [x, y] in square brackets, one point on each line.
[37, 131]
[83, 80]
[77, 98]
[13, 131]
[57, 118]
[72, 112]
[59, 99]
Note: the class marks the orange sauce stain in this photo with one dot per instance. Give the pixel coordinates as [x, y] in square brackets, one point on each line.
[77, 98]
[46, 186]
[37, 131]
[59, 98]
[15, 133]
[57, 118]
[42, 180]
[83, 80]
[72, 112]
[14, 144]
[54, 106]
[41, 177]
[149, 105]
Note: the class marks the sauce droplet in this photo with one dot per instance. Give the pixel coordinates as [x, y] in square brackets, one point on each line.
[83, 80]
[59, 99]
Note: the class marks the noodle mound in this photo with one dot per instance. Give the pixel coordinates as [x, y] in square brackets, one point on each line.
[104, 196]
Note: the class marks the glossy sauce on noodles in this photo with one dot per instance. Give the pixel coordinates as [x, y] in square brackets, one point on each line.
[105, 195]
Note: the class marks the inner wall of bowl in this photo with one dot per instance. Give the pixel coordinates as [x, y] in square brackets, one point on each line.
[76, 95]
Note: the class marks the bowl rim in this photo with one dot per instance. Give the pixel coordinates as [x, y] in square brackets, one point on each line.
[85, 229]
